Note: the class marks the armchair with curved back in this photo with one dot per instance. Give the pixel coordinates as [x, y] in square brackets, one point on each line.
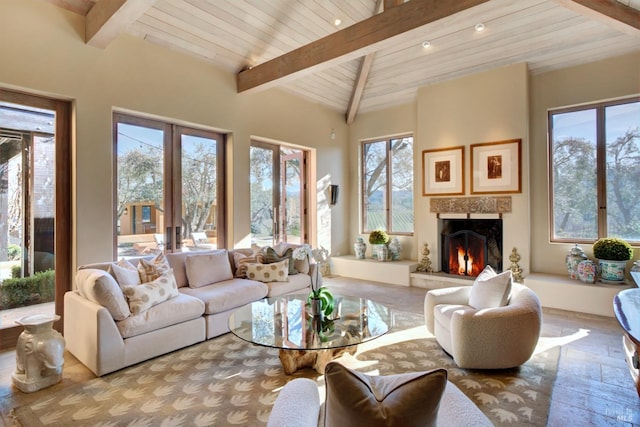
[486, 338]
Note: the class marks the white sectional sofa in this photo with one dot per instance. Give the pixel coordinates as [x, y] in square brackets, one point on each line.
[102, 330]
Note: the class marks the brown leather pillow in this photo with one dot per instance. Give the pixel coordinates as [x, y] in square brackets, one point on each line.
[354, 399]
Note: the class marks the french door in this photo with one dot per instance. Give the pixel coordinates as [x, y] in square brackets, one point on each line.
[169, 187]
[35, 222]
[278, 199]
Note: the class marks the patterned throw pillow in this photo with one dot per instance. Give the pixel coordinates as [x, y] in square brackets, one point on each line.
[274, 272]
[241, 260]
[144, 296]
[269, 256]
[150, 270]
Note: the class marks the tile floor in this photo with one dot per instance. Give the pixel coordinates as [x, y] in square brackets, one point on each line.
[593, 387]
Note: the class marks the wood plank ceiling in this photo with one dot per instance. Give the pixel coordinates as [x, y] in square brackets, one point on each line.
[298, 47]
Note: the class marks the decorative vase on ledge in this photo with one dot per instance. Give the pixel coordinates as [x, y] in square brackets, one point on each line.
[380, 252]
[360, 248]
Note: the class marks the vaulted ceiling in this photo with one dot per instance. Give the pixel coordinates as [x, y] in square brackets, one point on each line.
[380, 52]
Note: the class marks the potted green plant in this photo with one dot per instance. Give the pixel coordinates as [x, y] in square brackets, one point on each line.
[379, 240]
[612, 254]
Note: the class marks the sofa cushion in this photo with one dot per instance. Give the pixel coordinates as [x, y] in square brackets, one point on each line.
[144, 296]
[151, 269]
[356, 399]
[126, 273]
[171, 312]
[100, 287]
[205, 269]
[490, 290]
[270, 256]
[294, 283]
[223, 296]
[274, 272]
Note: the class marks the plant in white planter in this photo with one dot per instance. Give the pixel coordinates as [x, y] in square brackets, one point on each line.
[612, 254]
[379, 240]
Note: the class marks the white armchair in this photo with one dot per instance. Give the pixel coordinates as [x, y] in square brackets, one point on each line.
[488, 338]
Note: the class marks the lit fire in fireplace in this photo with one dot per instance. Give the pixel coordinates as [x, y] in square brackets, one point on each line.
[465, 262]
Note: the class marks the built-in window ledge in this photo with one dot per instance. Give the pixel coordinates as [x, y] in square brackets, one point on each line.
[471, 205]
[562, 292]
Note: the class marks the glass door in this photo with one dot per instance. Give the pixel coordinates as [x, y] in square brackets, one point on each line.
[34, 209]
[278, 210]
[169, 183]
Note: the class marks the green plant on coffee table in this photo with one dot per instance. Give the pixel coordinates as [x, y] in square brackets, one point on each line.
[612, 249]
[317, 292]
[378, 237]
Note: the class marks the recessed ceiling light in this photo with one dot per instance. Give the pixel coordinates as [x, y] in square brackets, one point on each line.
[426, 44]
[480, 27]
[337, 21]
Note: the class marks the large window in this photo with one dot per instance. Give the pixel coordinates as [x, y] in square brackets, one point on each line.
[595, 171]
[387, 185]
[169, 187]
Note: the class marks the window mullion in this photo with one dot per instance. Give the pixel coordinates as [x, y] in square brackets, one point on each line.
[601, 165]
[389, 186]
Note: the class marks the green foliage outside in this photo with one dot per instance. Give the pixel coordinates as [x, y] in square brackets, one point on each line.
[612, 249]
[16, 271]
[13, 252]
[36, 289]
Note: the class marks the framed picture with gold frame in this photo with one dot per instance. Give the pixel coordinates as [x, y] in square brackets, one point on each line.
[443, 171]
[496, 167]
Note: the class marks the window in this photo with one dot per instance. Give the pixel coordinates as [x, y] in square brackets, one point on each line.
[169, 186]
[594, 162]
[387, 185]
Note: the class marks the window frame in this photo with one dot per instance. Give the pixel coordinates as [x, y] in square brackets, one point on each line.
[388, 186]
[601, 166]
[172, 133]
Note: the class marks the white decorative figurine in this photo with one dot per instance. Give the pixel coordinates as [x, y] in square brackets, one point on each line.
[39, 353]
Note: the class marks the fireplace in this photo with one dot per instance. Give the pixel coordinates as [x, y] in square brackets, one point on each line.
[468, 245]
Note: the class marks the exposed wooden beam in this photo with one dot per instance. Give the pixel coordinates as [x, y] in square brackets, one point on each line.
[612, 12]
[358, 87]
[355, 41]
[363, 71]
[108, 18]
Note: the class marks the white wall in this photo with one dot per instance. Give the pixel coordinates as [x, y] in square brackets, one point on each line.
[42, 51]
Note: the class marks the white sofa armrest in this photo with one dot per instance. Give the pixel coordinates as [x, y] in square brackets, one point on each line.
[297, 405]
[91, 334]
[454, 295]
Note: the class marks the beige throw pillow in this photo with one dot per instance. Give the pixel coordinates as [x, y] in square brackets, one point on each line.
[150, 270]
[209, 268]
[126, 273]
[275, 272]
[100, 287]
[144, 296]
[491, 290]
[357, 400]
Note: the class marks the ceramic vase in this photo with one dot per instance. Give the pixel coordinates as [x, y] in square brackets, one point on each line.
[611, 271]
[360, 248]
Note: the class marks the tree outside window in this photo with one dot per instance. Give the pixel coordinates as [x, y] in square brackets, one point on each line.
[595, 171]
[387, 185]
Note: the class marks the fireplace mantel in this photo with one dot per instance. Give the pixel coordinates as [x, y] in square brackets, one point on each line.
[471, 205]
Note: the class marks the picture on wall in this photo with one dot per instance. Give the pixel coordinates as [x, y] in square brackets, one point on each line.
[495, 167]
[443, 171]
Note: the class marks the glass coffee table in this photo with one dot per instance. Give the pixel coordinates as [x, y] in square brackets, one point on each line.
[286, 323]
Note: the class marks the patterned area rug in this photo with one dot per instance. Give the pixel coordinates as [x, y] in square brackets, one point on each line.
[226, 381]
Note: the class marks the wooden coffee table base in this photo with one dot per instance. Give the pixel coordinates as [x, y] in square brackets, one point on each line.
[292, 360]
